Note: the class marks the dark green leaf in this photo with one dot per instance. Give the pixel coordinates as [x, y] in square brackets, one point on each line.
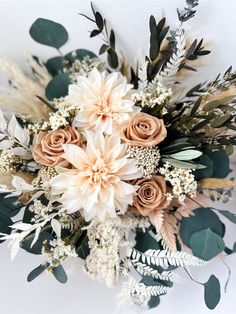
[203, 218]
[5, 222]
[36, 272]
[103, 49]
[58, 87]
[163, 33]
[37, 247]
[60, 274]
[95, 32]
[196, 105]
[55, 65]
[79, 54]
[49, 33]
[220, 164]
[144, 242]
[153, 302]
[220, 121]
[191, 49]
[212, 292]
[112, 58]
[9, 206]
[112, 39]
[99, 21]
[206, 172]
[206, 244]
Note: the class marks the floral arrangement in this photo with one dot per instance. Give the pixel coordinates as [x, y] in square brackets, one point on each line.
[115, 165]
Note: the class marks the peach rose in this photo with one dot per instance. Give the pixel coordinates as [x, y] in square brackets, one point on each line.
[143, 130]
[48, 150]
[150, 195]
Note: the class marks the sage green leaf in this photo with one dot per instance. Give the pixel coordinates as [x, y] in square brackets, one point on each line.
[49, 33]
[203, 219]
[220, 121]
[216, 103]
[36, 272]
[229, 149]
[206, 244]
[182, 164]
[60, 274]
[58, 87]
[188, 154]
[212, 293]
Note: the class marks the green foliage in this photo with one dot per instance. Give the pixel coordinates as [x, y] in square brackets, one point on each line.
[55, 65]
[49, 33]
[154, 302]
[5, 223]
[58, 87]
[217, 165]
[206, 244]
[228, 215]
[212, 293]
[60, 274]
[36, 272]
[203, 219]
[37, 247]
[9, 206]
[144, 242]
[79, 54]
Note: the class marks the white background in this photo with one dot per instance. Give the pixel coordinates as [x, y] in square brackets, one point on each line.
[215, 20]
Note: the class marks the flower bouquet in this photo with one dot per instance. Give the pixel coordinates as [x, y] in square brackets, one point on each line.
[115, 165]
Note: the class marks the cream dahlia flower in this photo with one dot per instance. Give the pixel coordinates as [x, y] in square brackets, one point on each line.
[104, 100]
[96, 185]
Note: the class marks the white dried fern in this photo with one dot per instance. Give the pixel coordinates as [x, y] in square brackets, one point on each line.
[166, 76]
[165, 258]
[142, 289]
[142, 74]
[146, 270]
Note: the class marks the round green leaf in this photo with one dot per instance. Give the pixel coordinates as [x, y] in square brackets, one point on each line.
[153, 302]
[205, 172]
[212, 292]
[79, 54]
[58, 87]
[206, 244]
[55, 65]
[48, 33]
[221, 164]
[203, 218]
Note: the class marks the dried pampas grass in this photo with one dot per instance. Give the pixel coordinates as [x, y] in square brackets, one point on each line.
[20, 97]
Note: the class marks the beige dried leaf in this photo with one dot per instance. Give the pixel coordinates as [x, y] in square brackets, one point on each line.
[168, 230]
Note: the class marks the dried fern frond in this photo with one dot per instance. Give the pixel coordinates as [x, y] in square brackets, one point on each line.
[168, 231]
[20, 97]
[146, 270]
[165, 258]
[143, 290]
[168, 72]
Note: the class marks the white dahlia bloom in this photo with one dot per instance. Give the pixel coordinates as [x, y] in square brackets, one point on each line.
[104, 100]
[96, 185]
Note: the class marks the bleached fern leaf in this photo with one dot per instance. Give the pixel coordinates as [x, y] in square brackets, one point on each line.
[146, 270]
[167, 74]
[142, 74]
[168, 231]
[142, 289]
[165, 258]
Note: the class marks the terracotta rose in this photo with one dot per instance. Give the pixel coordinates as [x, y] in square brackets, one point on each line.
[143, 130]
[150, 195]
[48, 148]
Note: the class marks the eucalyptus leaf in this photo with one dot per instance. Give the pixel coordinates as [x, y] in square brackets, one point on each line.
[49, 33]
[206, 244]
[58, 87]
[55, 65]
[79, 54]
[212, 292]
[228, 215]
[203, 219]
